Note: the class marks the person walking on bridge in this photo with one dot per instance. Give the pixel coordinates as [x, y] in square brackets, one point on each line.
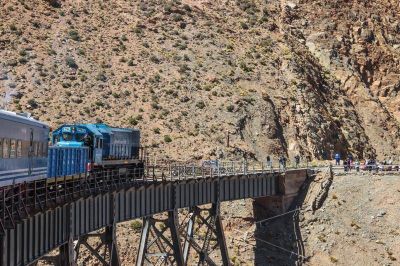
[269, 162]
[297, 160]
[282, 162]
[337, 158]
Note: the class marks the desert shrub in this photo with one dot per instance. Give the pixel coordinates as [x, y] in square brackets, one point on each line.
[136, 225]
[54, 3]
[71, 62]
[23, 60]
[66, 85]
[74, 35]
[33, 103]
[244, 25]
[230, 108]
[154, 59]
[99, 103]
[101, 77]
[133, 121]
[156, 130]
[200, 104]
[167, 138]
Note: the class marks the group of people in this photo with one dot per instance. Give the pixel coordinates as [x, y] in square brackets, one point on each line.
[282, 161]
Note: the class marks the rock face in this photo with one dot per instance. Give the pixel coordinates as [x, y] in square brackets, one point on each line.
[308, 77]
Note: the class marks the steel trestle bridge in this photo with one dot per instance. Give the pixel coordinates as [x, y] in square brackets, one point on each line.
[63, 213]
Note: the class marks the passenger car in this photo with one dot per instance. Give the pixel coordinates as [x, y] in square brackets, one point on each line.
[23, 148]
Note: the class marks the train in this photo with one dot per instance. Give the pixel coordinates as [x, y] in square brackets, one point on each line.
[25, 153]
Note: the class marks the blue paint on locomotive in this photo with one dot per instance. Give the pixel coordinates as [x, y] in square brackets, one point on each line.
[23, 148]
[65, 161]
[107, 145]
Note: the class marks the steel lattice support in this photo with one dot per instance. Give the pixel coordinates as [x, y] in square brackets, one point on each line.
[208, 220]
[106, 251]
[156, 247]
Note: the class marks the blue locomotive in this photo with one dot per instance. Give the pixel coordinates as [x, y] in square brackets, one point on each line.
[109, 147]
[23, 148]
[77, 149]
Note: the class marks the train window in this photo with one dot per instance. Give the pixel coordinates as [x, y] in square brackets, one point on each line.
[6, 148]
[46, 147]
[19, 148]
[35, 149]
[56, 139]
[67, 136]
[79, 137]
[40, 149]
[13, 148]
[1, 148]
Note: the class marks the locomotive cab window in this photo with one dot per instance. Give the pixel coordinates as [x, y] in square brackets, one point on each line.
[67, 136]
[79, 137]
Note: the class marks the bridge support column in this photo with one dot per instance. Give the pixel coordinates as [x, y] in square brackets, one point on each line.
[207, 220]
[156, 245]
[107, 244]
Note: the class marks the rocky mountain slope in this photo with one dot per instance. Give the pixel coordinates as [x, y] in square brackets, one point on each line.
[309, 77]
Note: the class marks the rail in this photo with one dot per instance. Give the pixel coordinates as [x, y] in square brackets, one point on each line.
[25, 199]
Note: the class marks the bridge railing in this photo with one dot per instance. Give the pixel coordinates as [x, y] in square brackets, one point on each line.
[22, 200]
[181, 171]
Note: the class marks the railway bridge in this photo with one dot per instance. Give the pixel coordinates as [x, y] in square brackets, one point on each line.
[64, 213]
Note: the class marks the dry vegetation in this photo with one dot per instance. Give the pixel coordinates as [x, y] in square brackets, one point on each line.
[308, 77]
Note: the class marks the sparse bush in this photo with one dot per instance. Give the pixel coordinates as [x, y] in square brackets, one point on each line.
[99, 103]
[177, 17]
[133, 121]
[200, 104]
[230, 108]
[154, 59]
[51, 52]
[23, 52]
[155, 105]
[333, 259]
[81, 52]
[54, 3]
[13, 27]
[101, 77]
[167, 138]
[74, 35]
[157, 130]
[183, 68]
[136, 225]
[12, 62]
[71, 62]
[33, 103]
[244, 67]
[244, 25]
[23, 60]
[66, 85]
